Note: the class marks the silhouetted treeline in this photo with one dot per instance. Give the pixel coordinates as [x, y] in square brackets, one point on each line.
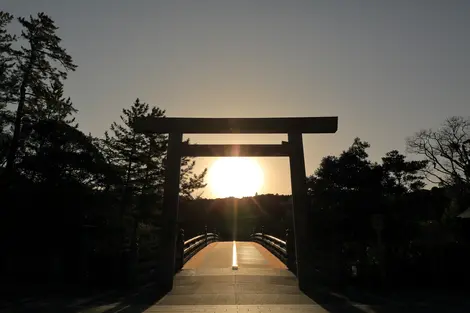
[75, 208]
[374, 221]
[236, 219]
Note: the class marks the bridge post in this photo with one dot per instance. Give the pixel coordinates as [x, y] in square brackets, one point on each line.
[170, 210]
[290, 249]
[180, 251]
[262, 232]
[300, 211]
[206, 238]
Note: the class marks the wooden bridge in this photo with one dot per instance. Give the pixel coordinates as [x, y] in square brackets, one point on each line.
[234, 277]
[244, 276]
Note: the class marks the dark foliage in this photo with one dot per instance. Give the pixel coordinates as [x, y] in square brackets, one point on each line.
[378, 219]
[73, 207]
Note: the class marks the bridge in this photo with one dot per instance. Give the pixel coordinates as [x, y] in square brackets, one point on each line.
[213, 275]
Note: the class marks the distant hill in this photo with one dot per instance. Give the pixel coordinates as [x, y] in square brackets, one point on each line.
[235, 218]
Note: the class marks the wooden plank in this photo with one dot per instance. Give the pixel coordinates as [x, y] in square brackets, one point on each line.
[235, 150]
[274, 125]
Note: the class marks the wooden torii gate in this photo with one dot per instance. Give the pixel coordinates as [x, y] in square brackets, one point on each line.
[293, 148]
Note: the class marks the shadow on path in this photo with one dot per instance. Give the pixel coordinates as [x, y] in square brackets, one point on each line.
[355, 300]
[134, 301]
[124, 301]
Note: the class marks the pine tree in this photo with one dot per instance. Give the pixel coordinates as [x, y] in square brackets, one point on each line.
[53, 106]
[141, 159]
[190, 181]
[138, 156]
[39, 70]
[6, 65]
[6, 56]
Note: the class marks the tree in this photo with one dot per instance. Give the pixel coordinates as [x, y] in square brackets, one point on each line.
[141, 160]
[39, 68]
[6, 65]
[138, 156]
[56, 109]
[346, 190]
[65, 155]
[190, 181]
[447, 149]
[351, 171]
[402, 176]
[53, 106]
[6, 57]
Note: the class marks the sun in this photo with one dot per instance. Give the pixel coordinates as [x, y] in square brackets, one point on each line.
[235, 177]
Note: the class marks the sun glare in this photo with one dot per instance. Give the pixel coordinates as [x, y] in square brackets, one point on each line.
[235, 177]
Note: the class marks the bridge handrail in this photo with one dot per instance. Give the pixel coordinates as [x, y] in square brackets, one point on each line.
[192, 239]
[270, 238]
[282, 242]
[187, 249]
[275, 245]
[149, 268]
[196, 242]
[283, 249]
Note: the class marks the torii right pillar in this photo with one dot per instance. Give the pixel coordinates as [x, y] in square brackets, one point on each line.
[300, 210]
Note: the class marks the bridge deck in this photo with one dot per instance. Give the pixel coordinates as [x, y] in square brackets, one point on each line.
[262, 283]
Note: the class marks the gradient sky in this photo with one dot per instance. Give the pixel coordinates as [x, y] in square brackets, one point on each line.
[386, 69]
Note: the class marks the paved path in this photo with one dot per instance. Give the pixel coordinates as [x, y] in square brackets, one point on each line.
[261, 284]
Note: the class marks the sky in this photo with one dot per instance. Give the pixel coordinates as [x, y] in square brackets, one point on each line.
[386, 69]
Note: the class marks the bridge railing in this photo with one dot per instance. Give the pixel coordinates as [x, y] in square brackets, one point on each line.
[186, 249]
[284, 250]
[141, 269]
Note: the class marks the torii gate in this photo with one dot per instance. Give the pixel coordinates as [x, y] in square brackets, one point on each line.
[293, 127]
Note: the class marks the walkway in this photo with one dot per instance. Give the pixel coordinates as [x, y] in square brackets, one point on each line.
[261, 283]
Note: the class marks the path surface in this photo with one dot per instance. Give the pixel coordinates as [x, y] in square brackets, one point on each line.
[261, 284]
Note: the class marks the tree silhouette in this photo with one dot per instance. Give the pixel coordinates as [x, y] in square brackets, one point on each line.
[447, 149]
[141, 159]
[6, 66]
[37, 74]
[6, 58]
[403, 176]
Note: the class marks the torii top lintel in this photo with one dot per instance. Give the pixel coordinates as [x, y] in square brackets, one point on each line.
[273, 125]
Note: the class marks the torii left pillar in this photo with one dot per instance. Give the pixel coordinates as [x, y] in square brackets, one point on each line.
[170, 211]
